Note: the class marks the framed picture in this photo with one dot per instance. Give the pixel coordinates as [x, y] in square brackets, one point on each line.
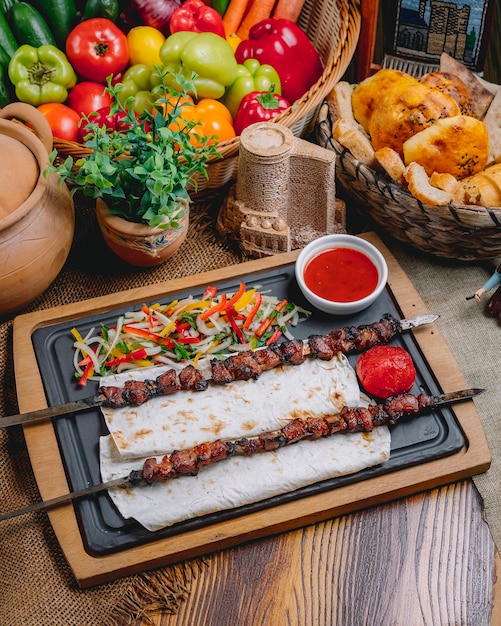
[426, 28]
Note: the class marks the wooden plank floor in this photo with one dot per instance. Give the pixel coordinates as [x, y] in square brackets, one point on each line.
[423, 560]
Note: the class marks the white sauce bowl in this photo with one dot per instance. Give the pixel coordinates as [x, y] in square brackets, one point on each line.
[329, 242]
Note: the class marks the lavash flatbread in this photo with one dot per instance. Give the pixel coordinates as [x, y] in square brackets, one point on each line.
[240, 409]
[237, 481]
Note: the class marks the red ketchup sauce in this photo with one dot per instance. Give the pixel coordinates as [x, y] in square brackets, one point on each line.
[341, 275]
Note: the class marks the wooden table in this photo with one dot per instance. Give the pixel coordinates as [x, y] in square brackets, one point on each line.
[426, 559]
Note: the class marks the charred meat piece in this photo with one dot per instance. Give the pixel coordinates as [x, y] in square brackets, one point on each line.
[320, 347]
[192, 379]
[136, 392]
[290, 352]
[167, 383]
[112, 396]
[242, 366]
[221, 375]
[267, 358]
[211, 452]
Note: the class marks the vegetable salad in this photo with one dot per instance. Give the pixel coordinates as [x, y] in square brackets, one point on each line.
[185, 330]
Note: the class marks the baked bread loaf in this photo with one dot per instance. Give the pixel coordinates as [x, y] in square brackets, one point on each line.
[457, 145]
[452, 85]
[405, 110]
[367, 94]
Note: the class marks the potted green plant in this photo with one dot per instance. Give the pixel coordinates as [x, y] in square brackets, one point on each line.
[140, 173]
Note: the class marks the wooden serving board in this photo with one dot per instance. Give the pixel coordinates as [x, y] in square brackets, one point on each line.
[48, 467]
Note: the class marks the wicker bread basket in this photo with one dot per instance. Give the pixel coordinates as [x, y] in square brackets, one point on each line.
[462, 232]
[333, 27]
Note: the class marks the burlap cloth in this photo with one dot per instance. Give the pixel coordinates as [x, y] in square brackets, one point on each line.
[36, 585]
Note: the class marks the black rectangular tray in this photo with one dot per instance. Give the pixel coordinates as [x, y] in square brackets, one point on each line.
[434, 435]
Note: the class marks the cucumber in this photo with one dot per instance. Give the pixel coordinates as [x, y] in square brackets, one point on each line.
[5, 6]
[7, 38]
[6, 87]
[29, 26]
[61, 15]
[109, 9]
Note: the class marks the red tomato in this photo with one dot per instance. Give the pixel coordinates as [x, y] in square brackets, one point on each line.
[64, 122]
[385, 371]
[97, 48]
[88, 96]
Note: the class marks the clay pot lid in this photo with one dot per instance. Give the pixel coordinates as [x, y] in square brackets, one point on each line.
[19, 173]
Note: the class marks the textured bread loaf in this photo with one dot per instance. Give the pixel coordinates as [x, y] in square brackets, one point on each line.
[457, 145]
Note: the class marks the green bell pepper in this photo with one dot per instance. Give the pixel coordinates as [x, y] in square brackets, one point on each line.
[207, 55]
[251, 76]
[136, 87]
[41, 75]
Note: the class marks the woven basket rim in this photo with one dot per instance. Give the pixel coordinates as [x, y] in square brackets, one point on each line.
[339, 58]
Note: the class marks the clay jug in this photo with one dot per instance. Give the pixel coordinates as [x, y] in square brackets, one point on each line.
[37, 219]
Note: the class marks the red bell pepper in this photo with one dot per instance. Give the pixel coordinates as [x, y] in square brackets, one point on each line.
[232, 316]
[283, 45]
[258, 106]
[135, 355]
[196, 17]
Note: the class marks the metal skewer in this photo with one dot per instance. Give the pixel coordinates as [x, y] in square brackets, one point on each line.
[135, 477]
[98, 400]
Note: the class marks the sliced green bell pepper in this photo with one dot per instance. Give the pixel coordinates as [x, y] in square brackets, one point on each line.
[207, 55]
[41, 75]
[136, 87]
[251, 76]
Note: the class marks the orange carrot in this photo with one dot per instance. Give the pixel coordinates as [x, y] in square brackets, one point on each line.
[234, 15]
[260, 10]
[288, 9]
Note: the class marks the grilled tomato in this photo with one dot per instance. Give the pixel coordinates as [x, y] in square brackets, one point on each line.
[385, 371]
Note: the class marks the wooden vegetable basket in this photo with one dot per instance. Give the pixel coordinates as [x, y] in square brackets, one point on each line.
[333, 26]
[461, 232]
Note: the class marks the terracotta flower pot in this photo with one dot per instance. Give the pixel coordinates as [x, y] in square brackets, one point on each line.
[140, 244]
[37, 219]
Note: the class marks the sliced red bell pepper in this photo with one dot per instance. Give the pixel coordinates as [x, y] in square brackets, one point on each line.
[277, 333]
[196, 17]
[252, 313]
[88, 370]
[209, 293]
[237, 295]
[186, 340]
[265, 324]
[214, 309]
[135, 355]
[181, 326]
[140, 332]
[231, 314]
